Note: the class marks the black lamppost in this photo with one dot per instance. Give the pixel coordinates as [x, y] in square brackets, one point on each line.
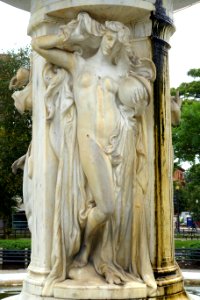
[178, 207]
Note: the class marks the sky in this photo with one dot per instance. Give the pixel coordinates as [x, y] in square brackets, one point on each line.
[185, 43]
[13, 27]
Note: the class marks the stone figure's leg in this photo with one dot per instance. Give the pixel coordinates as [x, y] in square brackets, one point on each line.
[98, 170]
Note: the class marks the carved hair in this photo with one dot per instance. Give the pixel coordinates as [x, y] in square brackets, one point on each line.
[123, 32]
[84, 32]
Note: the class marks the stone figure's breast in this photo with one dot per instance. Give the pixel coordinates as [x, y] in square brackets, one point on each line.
[86, 79]
[106, 83]
[109, 84]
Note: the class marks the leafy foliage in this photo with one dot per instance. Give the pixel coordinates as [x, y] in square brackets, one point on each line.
[190, 89]
[192, 191]
[180, 200]
[187, 197]
[194, 73]
[186, 142]
[186, 137]
[15, 131]
[173, 92]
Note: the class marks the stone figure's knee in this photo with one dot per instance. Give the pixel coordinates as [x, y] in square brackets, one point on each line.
[108, 211]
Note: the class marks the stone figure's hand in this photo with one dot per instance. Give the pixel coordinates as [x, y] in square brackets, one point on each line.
[64, 32]
[61, 42]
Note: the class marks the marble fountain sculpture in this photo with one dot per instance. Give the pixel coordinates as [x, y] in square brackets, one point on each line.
[98, 171]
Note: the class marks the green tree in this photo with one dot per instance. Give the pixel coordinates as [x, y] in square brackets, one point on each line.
[190, 89]
[186, 137]
[195, 73]
[186, 142]
[191, 191]
[180, 200]
[15, 131]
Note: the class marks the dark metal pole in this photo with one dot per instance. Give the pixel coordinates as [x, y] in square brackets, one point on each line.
[178, 210]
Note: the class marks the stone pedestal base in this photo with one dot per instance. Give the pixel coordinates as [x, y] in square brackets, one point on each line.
[191, 297]
[71, 290]
[84, 284]
[87, 284]
[77, 290]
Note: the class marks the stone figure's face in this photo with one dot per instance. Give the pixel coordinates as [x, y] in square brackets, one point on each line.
[108, 42]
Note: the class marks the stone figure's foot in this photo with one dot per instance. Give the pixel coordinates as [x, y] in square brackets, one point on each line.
[112, 278]
[151, 283]
[81, 259]
[87, 275]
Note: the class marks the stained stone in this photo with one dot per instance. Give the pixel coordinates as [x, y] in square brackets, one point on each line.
[98, 172]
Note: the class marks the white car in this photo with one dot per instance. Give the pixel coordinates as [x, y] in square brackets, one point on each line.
[183, 217]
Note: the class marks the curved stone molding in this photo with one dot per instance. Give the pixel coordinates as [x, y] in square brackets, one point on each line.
[53, 6]
[65, 10]
[26, 4]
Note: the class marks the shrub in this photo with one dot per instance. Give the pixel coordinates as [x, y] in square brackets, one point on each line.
[15, 244]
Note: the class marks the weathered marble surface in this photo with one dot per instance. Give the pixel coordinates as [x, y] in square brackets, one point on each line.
[98, 174]
[176, 103]
[97, 91]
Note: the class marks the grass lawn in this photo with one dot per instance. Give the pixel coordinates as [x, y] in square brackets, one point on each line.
[181, 243]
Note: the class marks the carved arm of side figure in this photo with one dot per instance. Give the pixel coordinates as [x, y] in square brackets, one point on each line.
[50, 47]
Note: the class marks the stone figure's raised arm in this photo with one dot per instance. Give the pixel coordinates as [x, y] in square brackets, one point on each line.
[50, 47]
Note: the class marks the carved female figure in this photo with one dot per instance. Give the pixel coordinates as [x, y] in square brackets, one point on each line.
[100, 185]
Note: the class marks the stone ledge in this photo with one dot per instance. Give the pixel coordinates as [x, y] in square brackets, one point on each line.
[73, 290]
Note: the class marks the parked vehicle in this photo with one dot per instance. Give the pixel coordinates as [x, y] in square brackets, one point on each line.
[184, 215]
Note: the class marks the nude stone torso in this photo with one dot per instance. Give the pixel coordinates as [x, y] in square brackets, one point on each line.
[95, 91]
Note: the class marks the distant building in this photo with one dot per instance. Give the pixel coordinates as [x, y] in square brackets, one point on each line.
[3, 56]
[179, 176]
